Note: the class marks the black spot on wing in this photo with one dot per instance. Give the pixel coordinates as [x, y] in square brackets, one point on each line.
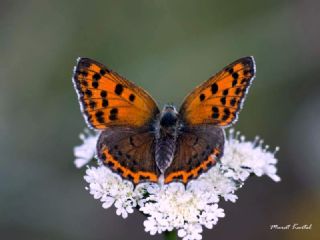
[215, 115]
[100, 116]
[92, 104]
[103, 93]
[95, 84]
[113, 114]
[234, 82]
[132, 97]
[233, 102]
[88, 93]
[105, 103]
[223, 100]
[235, 75]
[215, 109]
[214, 88]
[118, 89]
[225, 92]
[96, 76]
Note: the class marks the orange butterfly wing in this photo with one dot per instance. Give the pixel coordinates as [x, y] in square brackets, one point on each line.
[107, 99]
[219, 100]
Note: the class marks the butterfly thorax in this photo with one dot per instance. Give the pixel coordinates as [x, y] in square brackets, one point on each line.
[166, 135]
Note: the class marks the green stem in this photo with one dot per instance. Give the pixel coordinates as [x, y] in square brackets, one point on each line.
[170, 235]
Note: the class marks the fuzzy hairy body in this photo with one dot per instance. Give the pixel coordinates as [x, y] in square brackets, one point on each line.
[167, 127]
[171, 131]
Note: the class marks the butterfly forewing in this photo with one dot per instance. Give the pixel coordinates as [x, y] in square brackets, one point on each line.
[219, 100]
[107, 99]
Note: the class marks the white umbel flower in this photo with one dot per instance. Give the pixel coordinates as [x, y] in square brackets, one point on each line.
[111, 189]
[215, 181]
[174, 206]
[87, 150]
[241, 158]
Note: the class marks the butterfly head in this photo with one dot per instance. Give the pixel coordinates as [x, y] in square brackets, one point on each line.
[169, 116]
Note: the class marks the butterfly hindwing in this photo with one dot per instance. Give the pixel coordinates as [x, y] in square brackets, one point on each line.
[219, 100]
[197, 149]
[107, 99]
[129, 152]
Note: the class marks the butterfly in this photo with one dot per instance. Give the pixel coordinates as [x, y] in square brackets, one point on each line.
[141, 143]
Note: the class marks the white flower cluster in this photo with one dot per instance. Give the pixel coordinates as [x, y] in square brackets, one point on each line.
[174, 206]
[85, 152]
[241, 158]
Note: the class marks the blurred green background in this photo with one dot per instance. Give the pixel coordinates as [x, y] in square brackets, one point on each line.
[166, 47]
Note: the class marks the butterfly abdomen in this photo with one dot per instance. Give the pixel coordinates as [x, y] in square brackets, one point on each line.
[166, 137]
[164, 150]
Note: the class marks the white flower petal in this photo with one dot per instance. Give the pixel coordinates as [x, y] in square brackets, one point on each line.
[110, 189]
[86, 151]
[243, 157]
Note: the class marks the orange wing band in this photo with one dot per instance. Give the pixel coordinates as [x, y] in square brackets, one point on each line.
[126, 173]
[185, 176]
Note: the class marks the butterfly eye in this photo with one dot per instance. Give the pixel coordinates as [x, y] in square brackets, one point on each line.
[168, 119]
